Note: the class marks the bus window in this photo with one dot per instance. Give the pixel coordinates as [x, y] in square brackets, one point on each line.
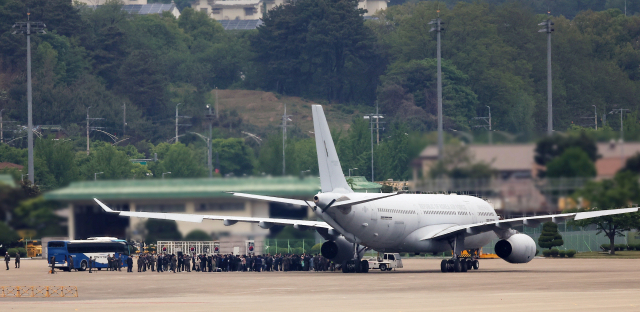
[55, 244]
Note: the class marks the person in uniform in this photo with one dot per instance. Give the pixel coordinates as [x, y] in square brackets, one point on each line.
[129, 264]
[90, 264]
[7, 259]
[17, 260]
[174, 262]
[71, 265]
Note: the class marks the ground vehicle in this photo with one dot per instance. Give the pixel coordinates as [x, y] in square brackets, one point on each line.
[385, 262]
[99, 248]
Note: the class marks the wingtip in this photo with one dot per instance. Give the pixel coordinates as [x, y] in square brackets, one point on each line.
[104, 207]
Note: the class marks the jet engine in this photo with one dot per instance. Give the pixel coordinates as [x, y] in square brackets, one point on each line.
[519, 248]
[338, 250]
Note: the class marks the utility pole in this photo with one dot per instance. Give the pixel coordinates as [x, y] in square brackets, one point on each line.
[90, 128]
[438, 29]
[371, 117]
[488, 120]
[548, 29]
[285, 117]
[177, 140]
[217, 103]
[124, 118]
[595, 118]
[1, 133]
[27, 28]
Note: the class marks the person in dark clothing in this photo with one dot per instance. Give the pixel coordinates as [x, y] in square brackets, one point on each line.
[7, 259]
[90, 264]
[17, 261]
[71, 265]
[129, 265]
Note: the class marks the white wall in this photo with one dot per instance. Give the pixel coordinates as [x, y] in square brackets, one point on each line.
[101, 2]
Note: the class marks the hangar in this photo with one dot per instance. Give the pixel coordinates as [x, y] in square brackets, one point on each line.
[195, 196]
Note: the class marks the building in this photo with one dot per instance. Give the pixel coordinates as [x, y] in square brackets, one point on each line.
[359, 184]
[101, 2]
[251, 11]
[199, 196]
[516, 189]
[140, 7]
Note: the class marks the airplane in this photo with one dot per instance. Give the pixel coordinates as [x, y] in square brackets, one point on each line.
[391, 222]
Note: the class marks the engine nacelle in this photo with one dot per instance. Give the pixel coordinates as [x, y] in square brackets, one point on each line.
[519, 248]
[338, 250]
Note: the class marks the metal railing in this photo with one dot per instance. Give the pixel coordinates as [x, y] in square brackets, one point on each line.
[38, 291]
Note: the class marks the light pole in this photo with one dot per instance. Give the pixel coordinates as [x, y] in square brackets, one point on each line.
[1, 134]
[350, 171]
[438, 29]
[165, 173]
[177, 122]
[26, 28]
[621, 111]
[285, 118]
[209, 162]
[548, 29]
[595, 118]
[371, 117]
[95, 176]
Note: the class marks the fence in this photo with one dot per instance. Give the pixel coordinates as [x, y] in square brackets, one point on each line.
[38, 291]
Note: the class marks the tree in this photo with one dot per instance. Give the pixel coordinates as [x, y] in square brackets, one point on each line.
[105, 158]
[198, 236]
[573, 163]
[234, 156]
[551, 147]
[158, 230]
[632, 164]
[550, 237]
[38, 214]
[8, 237]
[58, 156]
[317, 49]
[619, 192]
[180, 160]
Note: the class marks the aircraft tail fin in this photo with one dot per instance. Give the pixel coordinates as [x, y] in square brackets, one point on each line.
[331, 175]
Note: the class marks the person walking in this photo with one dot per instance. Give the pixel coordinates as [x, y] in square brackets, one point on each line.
[17, 260]
[90, 264]
[7, 259]
[70, 265]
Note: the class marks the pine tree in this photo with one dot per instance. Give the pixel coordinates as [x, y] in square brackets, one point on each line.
[550, 237]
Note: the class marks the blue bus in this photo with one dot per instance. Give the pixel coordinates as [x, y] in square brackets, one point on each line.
[97, 247]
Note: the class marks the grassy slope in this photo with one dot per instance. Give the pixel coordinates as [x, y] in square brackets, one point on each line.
[264, 110]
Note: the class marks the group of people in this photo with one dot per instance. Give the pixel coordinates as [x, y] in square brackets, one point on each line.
[229, 263]
[7, 259]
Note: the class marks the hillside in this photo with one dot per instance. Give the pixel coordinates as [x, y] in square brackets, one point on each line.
[264, 110]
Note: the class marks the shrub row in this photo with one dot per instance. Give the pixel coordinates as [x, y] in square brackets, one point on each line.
[558, 253]
[12, 252]
[619, 247]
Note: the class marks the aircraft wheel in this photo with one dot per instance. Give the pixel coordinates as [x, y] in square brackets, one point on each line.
[364, 266]
[345, 268]
[443, 266]
[383, 267]
[463, 265]
[476, 264]
[450, 263]
[456, 266]
[469, 264]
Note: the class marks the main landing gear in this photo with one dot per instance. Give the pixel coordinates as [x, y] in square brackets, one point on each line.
[456, 263]
[356, 265]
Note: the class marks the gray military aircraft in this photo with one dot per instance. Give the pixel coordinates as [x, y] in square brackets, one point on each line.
[392, 222]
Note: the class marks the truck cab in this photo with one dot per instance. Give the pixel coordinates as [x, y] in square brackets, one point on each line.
[385, 262]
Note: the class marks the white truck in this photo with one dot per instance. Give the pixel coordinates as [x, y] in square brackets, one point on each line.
[385, 262]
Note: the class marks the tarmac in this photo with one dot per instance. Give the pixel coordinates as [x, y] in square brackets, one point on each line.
[541, 285]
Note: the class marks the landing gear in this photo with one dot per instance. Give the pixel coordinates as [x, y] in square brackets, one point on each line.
[356, 265]
[456, 263]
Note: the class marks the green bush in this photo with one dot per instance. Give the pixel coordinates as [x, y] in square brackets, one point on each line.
[570, 253]
[620, 247]
[23, 252]
[12, 251]
[605, 247]
[561, 253]
[537, 252]
[554, 252]
[546, 253]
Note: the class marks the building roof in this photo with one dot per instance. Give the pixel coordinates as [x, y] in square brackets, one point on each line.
[360, 183]
[185, 188]
[8, 165]
[7, 179]
[511, 157]
[153, 8]
[240, 24]
[219, 4]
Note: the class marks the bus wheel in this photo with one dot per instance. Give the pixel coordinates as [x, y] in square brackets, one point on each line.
[83, 266]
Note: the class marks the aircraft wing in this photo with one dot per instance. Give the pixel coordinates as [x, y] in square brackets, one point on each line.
[476, 228]
[228, 220]
[271, 199]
